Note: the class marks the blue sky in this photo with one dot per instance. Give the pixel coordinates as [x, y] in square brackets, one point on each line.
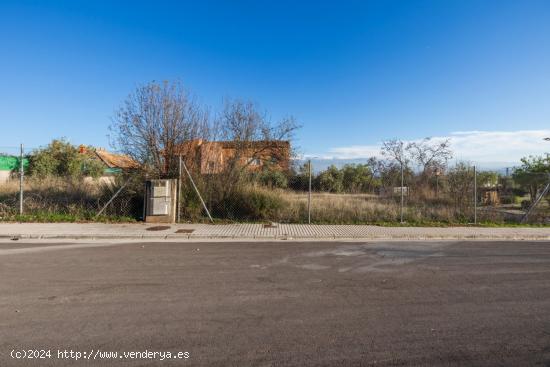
[352, 73]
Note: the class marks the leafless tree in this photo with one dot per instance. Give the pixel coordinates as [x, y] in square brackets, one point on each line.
[396, 150]
[153, 123]
[376, 166]
[248, 136]
[254, 134]
[429, 155]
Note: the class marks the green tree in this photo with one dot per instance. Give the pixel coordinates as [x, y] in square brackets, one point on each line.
[60, 158]
[487, 178]
[390, 175]
[356, 178]
[331, 180]
[533, 174]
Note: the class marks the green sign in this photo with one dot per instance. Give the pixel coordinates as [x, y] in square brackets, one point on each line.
[11, 163]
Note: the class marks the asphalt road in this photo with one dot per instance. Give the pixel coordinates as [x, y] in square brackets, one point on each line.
[283, 304]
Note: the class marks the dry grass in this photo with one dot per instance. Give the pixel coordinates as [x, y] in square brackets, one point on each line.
[369, 208]
[54, 196]
[81, 199]
[338, 208]
[257, 203]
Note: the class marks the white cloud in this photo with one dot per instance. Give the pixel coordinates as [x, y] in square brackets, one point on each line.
[483, 147]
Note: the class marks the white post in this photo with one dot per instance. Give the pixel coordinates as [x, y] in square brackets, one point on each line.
[402, 197]
[475, 195]
[21, 174]
[309, 196]
[178, 196]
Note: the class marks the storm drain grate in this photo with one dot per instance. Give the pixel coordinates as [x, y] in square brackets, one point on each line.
[158, 228]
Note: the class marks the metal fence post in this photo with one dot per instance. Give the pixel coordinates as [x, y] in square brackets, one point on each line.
[537, 200]
[309, 196]
[145, 199]
[197, 191]
[475, 195]
[179, 191]
[402, 197]
[21, 178]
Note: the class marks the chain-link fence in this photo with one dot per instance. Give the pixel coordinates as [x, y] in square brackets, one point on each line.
[347, 195]
[30, 193]
[352, 195]
[115, 198]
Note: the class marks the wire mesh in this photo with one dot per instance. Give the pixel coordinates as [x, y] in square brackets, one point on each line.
[354, 195]
[69, 199]
[350, 194]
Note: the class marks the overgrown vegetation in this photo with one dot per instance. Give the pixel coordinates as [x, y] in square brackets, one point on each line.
[66, 183]
[367, 193]
[160, 122]
[533, 174]
[66, 199]
[62, 159]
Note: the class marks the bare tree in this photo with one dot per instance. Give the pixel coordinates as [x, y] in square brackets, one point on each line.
[375, 165]
[429, 155]
[253, 134]
[248, 136]
[154, 122]
[396, 150]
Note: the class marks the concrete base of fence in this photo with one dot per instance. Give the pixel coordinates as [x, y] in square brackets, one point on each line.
[142, 231]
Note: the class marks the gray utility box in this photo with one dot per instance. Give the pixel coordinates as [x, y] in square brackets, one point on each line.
[160, 201]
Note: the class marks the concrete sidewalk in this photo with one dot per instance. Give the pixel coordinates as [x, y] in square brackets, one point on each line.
[260, 231]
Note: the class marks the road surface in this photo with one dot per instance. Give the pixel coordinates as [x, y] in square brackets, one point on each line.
[283, 304]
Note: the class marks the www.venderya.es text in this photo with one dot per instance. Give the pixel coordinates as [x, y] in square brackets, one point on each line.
[96, 354]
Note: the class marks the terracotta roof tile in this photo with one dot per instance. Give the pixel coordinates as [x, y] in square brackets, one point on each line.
[116, 160]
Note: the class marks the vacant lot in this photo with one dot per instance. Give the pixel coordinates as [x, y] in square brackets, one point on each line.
[69, 200]
[295, 304]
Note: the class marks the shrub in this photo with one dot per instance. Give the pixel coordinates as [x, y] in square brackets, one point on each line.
[357, 178]
[519, 191]
[299, 179]
[241, 200]
[60, 158]
[249, 203]
[460, 179]
[273, 179]
[508, 199]
[331, 180]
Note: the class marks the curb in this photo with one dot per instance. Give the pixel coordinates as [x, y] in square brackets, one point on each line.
[274, 237]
